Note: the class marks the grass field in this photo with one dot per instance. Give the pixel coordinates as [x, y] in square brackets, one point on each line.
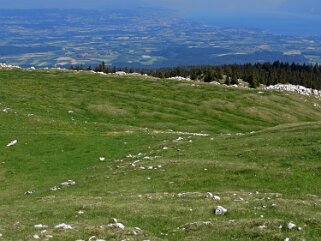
[146, 151]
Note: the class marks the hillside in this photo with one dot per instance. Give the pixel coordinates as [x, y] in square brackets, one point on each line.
[146, 151]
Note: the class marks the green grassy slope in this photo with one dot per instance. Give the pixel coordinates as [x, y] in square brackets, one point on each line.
[261, 154]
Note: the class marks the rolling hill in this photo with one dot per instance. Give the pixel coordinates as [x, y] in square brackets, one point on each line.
[91, 148]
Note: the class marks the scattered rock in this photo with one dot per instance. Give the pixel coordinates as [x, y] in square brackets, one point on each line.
[101, 73]
[291, 225]
[94, 238]
[115, 224]
[12, 143]
[41, 226]
[63, 184]
[63, 226]
[194, 225]
[80, 212]
[219, 210]
[295, 88]
[9, 66]
[137, 231]
[179, 139]
[55, 188]
[180, 78]
[215, 197]
[121, 73]
[36, 236]
[209, 195]
[68, 183]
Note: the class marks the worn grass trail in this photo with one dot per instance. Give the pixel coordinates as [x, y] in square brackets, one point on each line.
[259, 151]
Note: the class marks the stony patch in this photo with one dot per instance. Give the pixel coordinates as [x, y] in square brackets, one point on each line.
[295, 88]
[195, 225]
[64, 226]
[63, 185]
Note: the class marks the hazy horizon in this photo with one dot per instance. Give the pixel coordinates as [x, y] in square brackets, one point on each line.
[275, 16]
[308, 7]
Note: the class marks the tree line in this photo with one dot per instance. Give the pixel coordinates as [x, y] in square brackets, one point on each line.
[230, 74]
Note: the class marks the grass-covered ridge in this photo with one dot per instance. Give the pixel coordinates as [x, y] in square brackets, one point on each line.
[261, 154]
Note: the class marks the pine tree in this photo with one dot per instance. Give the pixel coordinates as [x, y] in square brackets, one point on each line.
[228, 80]
[234, 80]
[252, 80]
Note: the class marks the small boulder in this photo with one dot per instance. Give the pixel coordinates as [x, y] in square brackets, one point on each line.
[63, 226]
[291, 225]
[12, 143]
[219, 210]
[36, 236]
[41, 226]
[115, 224]
[209, 195]
[216, 198]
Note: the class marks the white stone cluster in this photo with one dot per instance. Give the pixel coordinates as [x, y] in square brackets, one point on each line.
[295, 88]
[9, 66]
[180, 78]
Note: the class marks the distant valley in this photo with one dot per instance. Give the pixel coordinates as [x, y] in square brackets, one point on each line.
[138, 38]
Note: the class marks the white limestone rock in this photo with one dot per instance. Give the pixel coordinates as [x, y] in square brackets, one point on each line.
[40, 226]
[291, 225]
[64, 226]
[12, 143]
[219, 210]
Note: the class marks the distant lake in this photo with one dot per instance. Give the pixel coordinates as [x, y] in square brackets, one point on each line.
[288, 24]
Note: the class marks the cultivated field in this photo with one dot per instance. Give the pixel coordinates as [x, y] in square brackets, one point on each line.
[146, 151]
